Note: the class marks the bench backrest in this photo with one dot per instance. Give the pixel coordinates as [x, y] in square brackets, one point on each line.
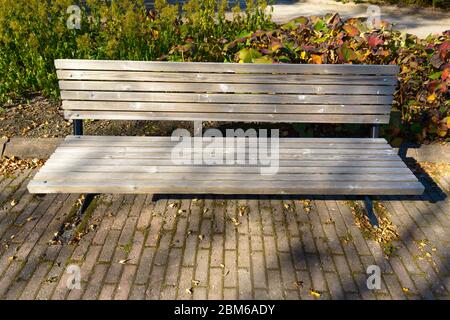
[138, 90]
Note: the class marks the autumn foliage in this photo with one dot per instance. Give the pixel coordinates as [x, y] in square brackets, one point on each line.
[33, 33]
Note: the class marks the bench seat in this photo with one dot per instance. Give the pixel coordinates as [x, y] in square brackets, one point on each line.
[321, 166]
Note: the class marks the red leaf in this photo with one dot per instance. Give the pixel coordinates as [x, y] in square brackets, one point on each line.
[445, 74]
[444, 48]
[351, 30]
[374, 41]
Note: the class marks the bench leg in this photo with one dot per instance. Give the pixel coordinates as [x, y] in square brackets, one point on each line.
[78, 127]
[370, 213]
[85, 204]
[375, 131]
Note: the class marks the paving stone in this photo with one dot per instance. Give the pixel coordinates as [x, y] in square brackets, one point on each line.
[259, 274]
[28, 148]
[215, 291]
[126, 281]
[244, 251]
[270, 252]
[245, 284]
[95, 282]
[217, 248]
[137, 292]
[185, 283]
[230, 279]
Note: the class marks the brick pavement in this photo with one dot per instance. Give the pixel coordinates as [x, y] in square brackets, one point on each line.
[214, 247]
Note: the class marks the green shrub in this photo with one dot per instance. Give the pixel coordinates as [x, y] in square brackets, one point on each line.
[33, 33]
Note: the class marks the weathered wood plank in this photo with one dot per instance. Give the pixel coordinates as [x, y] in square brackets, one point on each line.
[240, 117]
[219, 67]
[217, 177]
[56, 166]
[215, 67]
[80, 163]
[224, 77]
[167, 156]
[114, 106]
[171, 144]
[151, 139]
[226, 98]
[225, 87]
[236, 187]
[222, 148]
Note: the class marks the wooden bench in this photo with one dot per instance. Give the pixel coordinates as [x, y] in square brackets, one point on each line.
[133, 90]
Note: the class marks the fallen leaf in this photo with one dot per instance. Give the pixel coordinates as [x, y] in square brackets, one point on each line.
[51, 279]
[124, 261]
[314, 293]
[298, 284]
[13, 202]
[189, 290]
[195, 282]
[316, 59]
[431, 97]
[243, 210]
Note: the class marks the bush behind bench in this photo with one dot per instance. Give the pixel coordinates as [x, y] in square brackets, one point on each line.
[33, 33]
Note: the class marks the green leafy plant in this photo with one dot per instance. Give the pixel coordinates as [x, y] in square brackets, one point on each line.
[422, 100]
[33, 33]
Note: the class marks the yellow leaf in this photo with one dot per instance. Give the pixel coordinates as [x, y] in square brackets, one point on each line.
[303, 55]
[314, 293]
[316, 59]
[431, 97]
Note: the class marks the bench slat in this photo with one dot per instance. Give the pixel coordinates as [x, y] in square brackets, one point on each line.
[225, 88]
[125, 176]
[169, 144]
[237, 148]
[226, 98]
[224, 77]
[216, 67]
[114, 106]
[283, 156]
[150, 139]
[74, 167]
[80, 163]
[240, 117]
[231, 187]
